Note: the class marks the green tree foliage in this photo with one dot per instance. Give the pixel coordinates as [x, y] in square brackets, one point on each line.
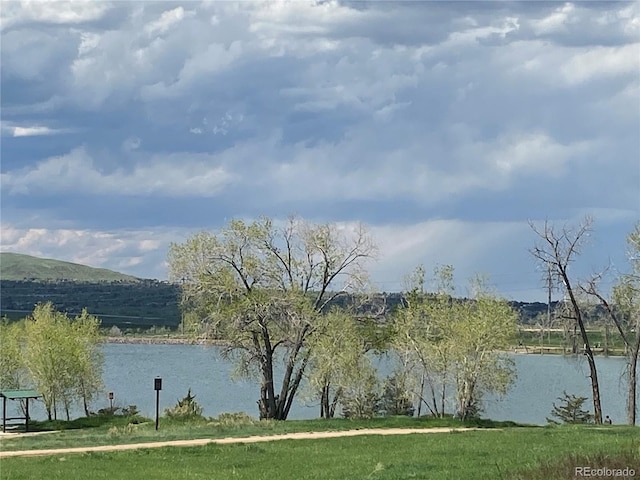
[87, 357]
[263, 288]
[445, 342]
[63, 358]
[337, 359]
[570, 410]
[13, 372]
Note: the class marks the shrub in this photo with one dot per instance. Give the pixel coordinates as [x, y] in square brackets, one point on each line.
[187, 408]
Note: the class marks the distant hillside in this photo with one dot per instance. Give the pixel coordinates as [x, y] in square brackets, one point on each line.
[18, 267]
[126, 304]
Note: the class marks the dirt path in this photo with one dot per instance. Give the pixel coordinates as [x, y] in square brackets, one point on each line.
[221, 441]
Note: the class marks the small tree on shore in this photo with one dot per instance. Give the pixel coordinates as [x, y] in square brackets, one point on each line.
[63, 358]
[570, 410]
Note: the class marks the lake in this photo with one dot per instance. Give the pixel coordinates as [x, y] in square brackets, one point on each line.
[131, 368]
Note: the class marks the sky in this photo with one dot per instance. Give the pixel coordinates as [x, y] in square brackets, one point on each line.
[444, 127]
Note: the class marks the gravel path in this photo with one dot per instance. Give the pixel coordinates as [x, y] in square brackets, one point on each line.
[222, 441]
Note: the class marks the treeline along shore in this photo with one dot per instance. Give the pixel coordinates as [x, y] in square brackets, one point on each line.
[140, 308]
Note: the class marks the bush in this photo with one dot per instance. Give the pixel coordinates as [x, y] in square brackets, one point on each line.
[187, 408]
[395, 397]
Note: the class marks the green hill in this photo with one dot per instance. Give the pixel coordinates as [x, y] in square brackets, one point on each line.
[16, 267]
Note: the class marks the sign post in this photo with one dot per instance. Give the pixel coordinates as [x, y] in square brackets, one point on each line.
[157, 385]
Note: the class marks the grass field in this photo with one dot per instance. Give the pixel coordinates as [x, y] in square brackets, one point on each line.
[555, 341]
[492, 453]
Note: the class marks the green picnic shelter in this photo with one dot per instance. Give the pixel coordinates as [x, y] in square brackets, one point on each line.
[17, 395]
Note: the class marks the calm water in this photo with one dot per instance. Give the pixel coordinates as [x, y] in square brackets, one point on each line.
[131, 368]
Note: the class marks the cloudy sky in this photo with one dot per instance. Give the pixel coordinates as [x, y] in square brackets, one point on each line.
[443, 126]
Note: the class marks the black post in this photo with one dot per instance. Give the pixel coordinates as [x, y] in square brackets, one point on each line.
[157, 407]
[4, 414]
[26, 420]
[157, 385]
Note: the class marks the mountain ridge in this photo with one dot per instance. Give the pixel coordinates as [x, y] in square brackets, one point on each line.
[19, 266]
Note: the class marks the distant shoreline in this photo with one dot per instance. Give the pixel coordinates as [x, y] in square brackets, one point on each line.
[162, 341]
[519, 350]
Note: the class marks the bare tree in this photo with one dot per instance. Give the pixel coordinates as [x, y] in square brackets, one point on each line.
[556, 249]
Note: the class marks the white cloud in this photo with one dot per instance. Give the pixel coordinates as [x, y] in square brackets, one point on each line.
[523, 153]
[51, 11]
[33, 131]
[357, 169]
[172, 176]
[602, 62]
[166, 20]
[554, 22]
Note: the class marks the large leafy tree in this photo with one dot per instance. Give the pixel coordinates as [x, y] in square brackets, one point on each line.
[264, 286]
[449, 342]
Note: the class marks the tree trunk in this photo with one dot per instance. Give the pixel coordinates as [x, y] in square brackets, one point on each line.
[294, 388]
[633, 370]
[267, 402]
[324, 401]
[421, 393]
[334, 403]
[593, 373]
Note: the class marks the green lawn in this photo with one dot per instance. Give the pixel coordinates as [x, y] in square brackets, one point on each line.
[486, 454]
